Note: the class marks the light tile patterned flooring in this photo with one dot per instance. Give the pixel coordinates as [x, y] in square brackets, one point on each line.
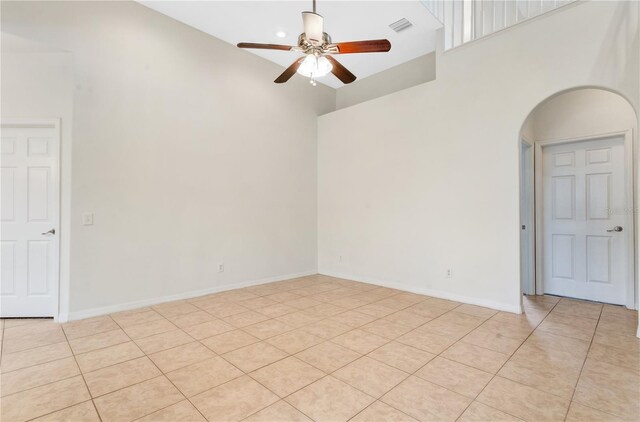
[325, 349]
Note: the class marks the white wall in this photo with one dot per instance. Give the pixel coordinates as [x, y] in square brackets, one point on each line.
[183, 147]
[427, 178]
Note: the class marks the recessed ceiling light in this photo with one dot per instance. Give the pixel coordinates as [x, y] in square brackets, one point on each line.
[281, 34]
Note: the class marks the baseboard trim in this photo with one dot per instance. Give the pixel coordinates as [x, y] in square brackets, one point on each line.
[428, 292]
[104, 310]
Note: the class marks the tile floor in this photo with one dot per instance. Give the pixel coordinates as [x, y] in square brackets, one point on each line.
[325, 349]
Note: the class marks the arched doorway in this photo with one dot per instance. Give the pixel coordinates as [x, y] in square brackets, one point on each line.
[578, 158]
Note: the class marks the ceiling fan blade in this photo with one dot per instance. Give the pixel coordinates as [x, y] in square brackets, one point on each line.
[369, 46]
[289, 72]
[340, 71]
[313, 27]
[265, 46]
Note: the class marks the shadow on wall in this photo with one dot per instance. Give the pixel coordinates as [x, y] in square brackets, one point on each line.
[614, 61]
[414, 72]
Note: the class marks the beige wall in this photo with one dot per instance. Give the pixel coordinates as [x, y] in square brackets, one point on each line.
[426, 179]
[406, 75]
[183, 147]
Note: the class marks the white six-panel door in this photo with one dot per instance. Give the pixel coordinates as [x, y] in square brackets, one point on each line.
[584, 204]
[30, 215]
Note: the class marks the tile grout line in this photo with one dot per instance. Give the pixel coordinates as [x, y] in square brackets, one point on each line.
[221, 357]
[162, 374]
[81, 374]
[584, 362]
[537, 326]
[41, 363]
[505, 362]
[176, 387]
[65, 408]
[67, 342]
[277, 395]
[121, 388]
[98, 369]
[380, 401]
[57, 380]
[436, 355]
[366, 355]
[247, 374]
[73, 353]
[410, 374]
[193, 340]
[288, 355]
[47, 383]
[326, 317]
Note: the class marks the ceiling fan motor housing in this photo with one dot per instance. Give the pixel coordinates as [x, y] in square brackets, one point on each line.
[309, 47]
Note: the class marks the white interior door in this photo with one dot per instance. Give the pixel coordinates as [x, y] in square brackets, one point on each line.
[585, 241]
[30, 220]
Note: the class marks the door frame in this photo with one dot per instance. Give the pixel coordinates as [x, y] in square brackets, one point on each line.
[527, 216]
[55, 124]
[627, 135]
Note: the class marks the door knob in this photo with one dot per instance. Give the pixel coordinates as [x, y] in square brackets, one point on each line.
[615, 229]
[52, 231]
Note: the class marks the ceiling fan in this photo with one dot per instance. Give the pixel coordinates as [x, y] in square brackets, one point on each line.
[318, 49]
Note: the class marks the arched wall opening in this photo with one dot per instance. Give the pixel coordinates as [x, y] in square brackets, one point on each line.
[578, 161]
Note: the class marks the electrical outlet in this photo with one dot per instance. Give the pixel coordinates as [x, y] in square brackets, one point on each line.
[449, 273]
[221, 267]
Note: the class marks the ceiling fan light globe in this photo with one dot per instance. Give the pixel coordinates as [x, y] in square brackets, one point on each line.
[315, 67]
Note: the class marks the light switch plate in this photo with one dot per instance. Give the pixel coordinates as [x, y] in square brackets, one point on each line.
[87, 219]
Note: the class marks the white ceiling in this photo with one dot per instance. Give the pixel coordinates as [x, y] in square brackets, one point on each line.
[258, 21]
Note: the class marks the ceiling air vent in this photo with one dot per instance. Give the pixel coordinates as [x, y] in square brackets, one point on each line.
[401, 25]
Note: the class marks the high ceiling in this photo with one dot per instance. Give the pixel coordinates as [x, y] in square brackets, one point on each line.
[259, 21]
